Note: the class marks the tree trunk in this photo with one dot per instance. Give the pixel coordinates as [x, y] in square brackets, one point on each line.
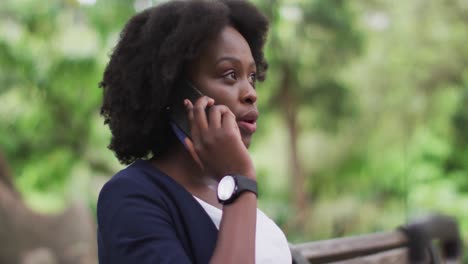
[289, 107]
[28, 237]
[5, 175]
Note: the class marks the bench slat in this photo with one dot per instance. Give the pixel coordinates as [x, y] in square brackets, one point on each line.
[394, 256]
[349, 247]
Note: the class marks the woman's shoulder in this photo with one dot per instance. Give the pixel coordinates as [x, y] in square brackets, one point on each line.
[136, 177]
[136, 186]
[139, 180]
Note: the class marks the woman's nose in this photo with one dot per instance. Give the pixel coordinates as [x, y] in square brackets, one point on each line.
[249, 95]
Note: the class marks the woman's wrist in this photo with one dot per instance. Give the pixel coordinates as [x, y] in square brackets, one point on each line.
[248, 173]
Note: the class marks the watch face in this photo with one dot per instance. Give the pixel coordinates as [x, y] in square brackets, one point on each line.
[226, 188]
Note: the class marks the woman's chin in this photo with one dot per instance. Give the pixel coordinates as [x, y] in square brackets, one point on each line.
[246, 140]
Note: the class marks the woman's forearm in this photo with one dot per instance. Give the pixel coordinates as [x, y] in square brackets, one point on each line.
[236, 237]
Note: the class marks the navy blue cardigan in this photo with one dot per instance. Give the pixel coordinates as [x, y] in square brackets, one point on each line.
[144, 217]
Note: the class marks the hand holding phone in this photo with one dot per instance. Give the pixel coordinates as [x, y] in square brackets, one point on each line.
[217, 145]
[209, 132]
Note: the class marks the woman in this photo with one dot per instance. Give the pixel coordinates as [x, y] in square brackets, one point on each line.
[191, 200]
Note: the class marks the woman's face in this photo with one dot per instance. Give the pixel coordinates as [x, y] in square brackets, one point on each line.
[225, 71]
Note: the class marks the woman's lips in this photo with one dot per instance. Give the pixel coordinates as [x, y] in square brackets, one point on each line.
[249, 127]
[248, 121]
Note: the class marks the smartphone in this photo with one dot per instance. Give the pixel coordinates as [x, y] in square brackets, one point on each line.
[177, 110]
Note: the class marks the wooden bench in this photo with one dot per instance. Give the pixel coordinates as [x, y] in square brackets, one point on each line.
[435, 239]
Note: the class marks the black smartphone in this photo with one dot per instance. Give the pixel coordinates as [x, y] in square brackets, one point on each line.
[177, 110]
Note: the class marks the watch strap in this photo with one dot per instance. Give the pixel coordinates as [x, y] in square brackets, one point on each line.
[242, 184]
[245, 184]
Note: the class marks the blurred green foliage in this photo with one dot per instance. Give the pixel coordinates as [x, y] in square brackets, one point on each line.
[378, 92]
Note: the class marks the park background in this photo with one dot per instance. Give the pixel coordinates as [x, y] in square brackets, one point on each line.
[364, 117]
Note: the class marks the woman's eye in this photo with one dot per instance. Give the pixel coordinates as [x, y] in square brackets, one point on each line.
[253, 78]
[231, 75]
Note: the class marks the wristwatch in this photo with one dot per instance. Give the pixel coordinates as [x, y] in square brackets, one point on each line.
[231, 186]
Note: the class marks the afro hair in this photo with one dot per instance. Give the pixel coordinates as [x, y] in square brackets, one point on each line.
[153, 51]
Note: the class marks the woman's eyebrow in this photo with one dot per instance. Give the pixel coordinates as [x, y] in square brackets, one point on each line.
[234, 60]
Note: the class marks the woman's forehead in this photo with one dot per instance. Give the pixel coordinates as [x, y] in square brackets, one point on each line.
[229, 44]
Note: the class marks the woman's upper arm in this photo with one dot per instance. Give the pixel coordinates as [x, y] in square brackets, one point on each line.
[135, 227]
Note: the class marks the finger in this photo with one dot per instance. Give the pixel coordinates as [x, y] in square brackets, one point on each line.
[193, 128]
[199, 112]
[189, 106]
[191, 149]
[229, 120]
[216, 114]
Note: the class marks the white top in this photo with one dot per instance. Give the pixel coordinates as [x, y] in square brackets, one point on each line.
[271, 245]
